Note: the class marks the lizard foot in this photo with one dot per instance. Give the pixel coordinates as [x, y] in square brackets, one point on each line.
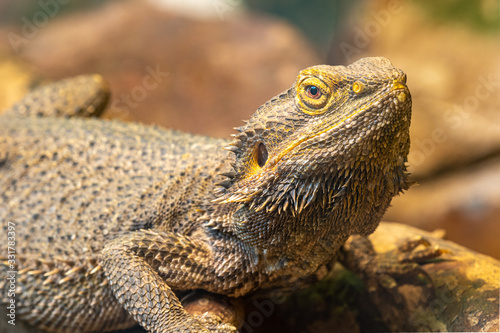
[395, 280]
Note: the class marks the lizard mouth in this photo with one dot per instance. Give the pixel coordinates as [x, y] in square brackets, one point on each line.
[399, 90]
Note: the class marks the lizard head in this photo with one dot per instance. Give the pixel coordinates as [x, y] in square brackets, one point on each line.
[340, 134]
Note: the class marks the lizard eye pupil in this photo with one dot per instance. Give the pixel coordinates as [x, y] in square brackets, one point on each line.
[313, 92]
[261, 155]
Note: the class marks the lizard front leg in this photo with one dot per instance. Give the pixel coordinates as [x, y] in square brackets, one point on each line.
[143, 267]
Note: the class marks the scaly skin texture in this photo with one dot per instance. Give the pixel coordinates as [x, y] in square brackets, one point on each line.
[112, 218]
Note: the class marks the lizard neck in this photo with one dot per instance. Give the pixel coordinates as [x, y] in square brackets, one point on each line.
[351, 205]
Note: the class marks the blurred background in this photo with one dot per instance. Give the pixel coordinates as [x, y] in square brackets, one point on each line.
[204, 65]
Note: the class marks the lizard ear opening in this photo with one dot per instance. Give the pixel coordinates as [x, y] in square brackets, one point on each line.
[244, 183]
[261, 155]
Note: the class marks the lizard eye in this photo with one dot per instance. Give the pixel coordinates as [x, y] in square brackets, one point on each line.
[313, 92]
[312, 95]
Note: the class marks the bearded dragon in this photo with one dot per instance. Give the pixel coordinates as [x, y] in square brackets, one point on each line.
[112, 219]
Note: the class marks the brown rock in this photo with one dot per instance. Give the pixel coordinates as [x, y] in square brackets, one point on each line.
[198, 76]
[467, 283]
[465, 203]
[466, 297]
[17, 79]
[454, 76]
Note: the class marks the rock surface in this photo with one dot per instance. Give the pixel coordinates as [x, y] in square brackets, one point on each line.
[466, 295]
[465, 203]
[17, 79]
[454, 75]
[467, 283]
[201, 76]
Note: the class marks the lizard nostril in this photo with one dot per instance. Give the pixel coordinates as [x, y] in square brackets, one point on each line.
[398, 84]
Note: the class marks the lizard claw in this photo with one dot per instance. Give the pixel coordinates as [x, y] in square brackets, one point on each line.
[418, 250]
[396, 282]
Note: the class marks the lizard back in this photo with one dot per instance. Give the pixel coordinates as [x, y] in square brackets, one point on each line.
[81, 182]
